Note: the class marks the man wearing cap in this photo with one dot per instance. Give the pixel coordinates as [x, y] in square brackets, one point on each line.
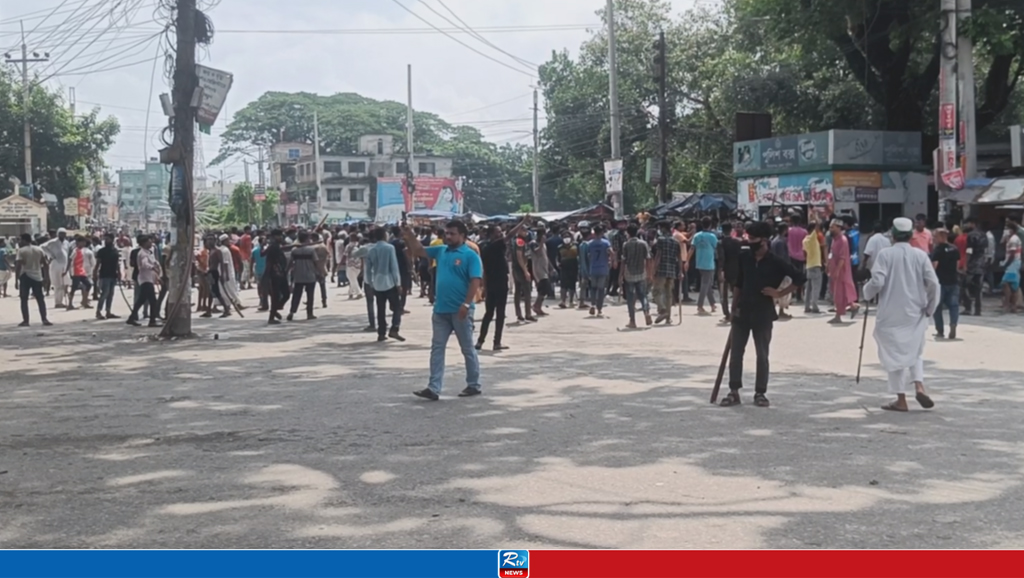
[57, 250]
[907, 287]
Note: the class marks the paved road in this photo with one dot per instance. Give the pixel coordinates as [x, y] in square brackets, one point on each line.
[306, 435]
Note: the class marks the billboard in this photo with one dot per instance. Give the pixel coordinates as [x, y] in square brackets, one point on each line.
[803, 189]
[391, 200]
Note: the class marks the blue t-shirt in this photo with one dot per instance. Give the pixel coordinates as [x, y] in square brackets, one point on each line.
[704, 244]
[259, 261]
[597, 255]
[3, 260]
[455, 269]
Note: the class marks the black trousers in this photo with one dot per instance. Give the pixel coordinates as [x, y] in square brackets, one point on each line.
[309, 288]
[277, 292]
[31, 287]
[147, 296]
[972, 292]
[215, 291]
[741, 332]
[322, 281]
[495, 301]
[385, 299]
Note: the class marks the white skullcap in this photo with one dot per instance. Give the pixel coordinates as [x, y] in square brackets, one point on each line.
[223, 238]
[62, 230]
[902, 225]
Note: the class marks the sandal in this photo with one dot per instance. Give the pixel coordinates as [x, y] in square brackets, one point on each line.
[925, 401]
[730, 400]
[893, 407]
[760, 400]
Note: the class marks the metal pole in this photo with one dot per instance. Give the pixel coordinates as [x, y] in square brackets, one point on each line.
[613, 101]
[317, 169]
[179, 310]
[965, 69]
[262, 180]
[536, 165]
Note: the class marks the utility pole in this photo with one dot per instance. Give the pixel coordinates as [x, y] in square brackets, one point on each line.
[262, 180]
[71, 99]
[410, 169]
[182, 155]
[661, 72]
[947, 90]
[965, 70]
[245, 164]
[316, 166]
[536, 165]
[26, 97]
[613, 102]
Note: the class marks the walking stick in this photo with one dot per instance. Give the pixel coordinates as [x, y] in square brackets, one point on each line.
[863, 332]
[679, 299]
[721, 368]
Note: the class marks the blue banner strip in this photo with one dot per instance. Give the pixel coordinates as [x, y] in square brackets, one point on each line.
[248, 563]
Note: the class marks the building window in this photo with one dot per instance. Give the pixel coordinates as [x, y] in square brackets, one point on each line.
[356, 195]
[380, 174]
[333, 195]
[426, 168]
[380, 146]
[401, 168]
[356, 167]
[332, 167]
[302, 170]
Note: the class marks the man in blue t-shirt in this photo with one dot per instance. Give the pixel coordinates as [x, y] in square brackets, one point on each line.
[5, 268]
[704, 245]
[459, 276]
[599, 256]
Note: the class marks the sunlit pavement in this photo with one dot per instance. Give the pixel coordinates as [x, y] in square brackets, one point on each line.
[307, 435]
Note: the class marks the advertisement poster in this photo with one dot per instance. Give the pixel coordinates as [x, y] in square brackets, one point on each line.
[613, 176]
[391, 200]
[84, 206]
[71, 207]
[807, 189]
[435, 194]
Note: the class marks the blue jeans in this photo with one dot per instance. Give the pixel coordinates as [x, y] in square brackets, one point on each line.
[636, 290]
[107, 288]
[949, 298]
[443, 326]
[597, 289]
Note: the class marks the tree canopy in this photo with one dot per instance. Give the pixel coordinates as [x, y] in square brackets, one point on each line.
[67, 150]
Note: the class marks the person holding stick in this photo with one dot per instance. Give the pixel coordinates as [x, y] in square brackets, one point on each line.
[761, 273]
[908, 291]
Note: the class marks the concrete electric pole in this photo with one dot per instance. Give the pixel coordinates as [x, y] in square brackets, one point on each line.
[965, 71]
[948, 90]
[661, 72]
[410, 168]
[536, 152]
[182, 156]
[26, 97]
[613, 103]
[317, 169]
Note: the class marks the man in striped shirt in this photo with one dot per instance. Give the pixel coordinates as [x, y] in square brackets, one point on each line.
[634, 273]
[667, 269]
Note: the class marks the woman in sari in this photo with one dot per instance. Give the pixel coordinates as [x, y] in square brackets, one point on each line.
[840, 274]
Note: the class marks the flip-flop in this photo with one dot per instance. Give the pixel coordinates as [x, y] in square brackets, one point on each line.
[925, 401]
[892, 407]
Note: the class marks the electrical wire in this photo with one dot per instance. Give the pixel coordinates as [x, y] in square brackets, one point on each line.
[487, 56]
[474, 34]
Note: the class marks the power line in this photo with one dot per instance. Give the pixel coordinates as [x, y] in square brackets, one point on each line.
[475, 34]
[488, 57]
[416, 31]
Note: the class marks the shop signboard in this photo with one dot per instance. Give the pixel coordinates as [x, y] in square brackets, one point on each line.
[746, 156]
[901, 149]
[857, 147]
[812, 149]
[779, 153]
[801, 189]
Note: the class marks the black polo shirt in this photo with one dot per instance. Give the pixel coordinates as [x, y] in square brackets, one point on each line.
[756, 308]
[493, 257]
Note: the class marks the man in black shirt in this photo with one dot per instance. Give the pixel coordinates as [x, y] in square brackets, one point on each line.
[729, 261]
[495, 264]
[945, 258]
[108, 274]
[753, 309]
[404, 270]
[276, 276]
[977, 246]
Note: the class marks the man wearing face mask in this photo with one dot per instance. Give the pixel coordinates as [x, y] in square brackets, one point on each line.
[753, 310]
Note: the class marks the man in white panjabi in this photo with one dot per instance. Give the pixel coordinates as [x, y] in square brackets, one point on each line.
[904, 280]
[58, 250]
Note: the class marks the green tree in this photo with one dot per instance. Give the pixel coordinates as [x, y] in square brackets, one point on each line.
[67, 151]
[891, 49]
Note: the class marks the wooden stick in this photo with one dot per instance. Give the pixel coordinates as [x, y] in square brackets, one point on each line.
[721, 368]
[863, 333]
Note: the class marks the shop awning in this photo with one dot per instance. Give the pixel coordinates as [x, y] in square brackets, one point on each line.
[1003, 192]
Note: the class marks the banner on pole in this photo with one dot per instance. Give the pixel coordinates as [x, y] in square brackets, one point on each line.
[613, 176]
[215, 85]
[71, 207]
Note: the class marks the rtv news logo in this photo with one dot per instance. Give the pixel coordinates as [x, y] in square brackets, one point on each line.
[513, 563]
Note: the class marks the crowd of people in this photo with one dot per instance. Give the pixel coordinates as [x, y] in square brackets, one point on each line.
[756, 271]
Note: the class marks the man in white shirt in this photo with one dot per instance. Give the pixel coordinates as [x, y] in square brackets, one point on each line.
[876, 243]
[56, 250]
[339, 259]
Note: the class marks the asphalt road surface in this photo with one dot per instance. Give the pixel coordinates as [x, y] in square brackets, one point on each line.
[307, 435]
